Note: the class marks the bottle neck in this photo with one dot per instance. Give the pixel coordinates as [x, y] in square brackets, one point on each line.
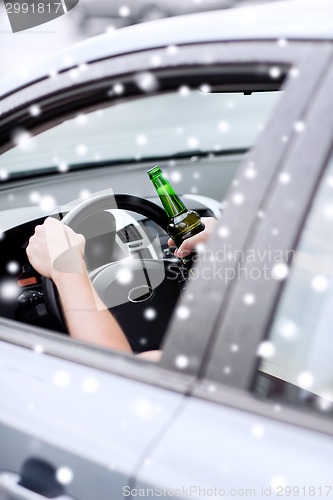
[170, 200]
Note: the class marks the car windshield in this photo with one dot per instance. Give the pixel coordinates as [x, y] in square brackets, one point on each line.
[183, 123]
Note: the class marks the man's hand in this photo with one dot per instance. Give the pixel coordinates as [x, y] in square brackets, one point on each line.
[56, 252]
[56, 248]
[189, 245]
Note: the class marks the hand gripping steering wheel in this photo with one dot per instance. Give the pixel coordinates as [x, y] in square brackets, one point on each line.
[144, 304]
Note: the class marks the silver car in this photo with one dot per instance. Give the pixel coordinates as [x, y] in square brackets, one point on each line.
[90, 15]
[235, 107]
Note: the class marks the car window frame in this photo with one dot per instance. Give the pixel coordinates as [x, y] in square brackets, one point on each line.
[267, 153]
[15, 108]
[236, 388]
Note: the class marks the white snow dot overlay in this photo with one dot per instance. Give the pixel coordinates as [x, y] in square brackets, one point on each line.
[118, 88]
[192, 142]
[330, 181]
[81, 119]
[8, 290]
[205, 88]
[24, 140]
[278, 482]
[124, 276]
[61, 378]
[63, 167]
[124, 11]
[324, 401]
[305, 380]
[294, 72]
[282, 42]
[146, 81]
[35, 110]
[184, 90]
[143, 408]
[266, 349]
[224, 232]
[280, 271]
[250, 173]
[85, 194]
[249, 299]
[257, 431]
[64, 475]
[38, 348]
[181, 361]
[299, 127]
[47, 203]
[150, 314]
[275, 72]
[328, 211]
[13, 267]
[141, 140]
[284, 178]
[172, 50]
[34, 197]
[223, 126]
[238, 198]
[89, 385]
[320, 283]
[156, 61]
[183, 312]
[176, 176]
[4, 174]
[81, 149]
[288, 329]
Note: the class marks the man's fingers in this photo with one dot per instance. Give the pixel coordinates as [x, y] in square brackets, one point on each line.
[188, 245]
[182, 252]
[56, 238]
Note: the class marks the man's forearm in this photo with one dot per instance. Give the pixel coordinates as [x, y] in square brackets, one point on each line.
[88, 319]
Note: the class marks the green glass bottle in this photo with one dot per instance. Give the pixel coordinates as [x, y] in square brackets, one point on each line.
[183, 223]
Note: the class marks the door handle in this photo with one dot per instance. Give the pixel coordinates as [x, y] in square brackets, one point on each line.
[11, 490]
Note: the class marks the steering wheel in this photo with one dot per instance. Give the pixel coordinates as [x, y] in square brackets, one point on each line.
[146, 300]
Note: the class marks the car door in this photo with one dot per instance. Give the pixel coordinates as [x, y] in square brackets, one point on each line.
[88, 417]
[261, 417]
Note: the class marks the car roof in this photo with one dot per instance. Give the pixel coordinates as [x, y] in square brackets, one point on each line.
[289, 19]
